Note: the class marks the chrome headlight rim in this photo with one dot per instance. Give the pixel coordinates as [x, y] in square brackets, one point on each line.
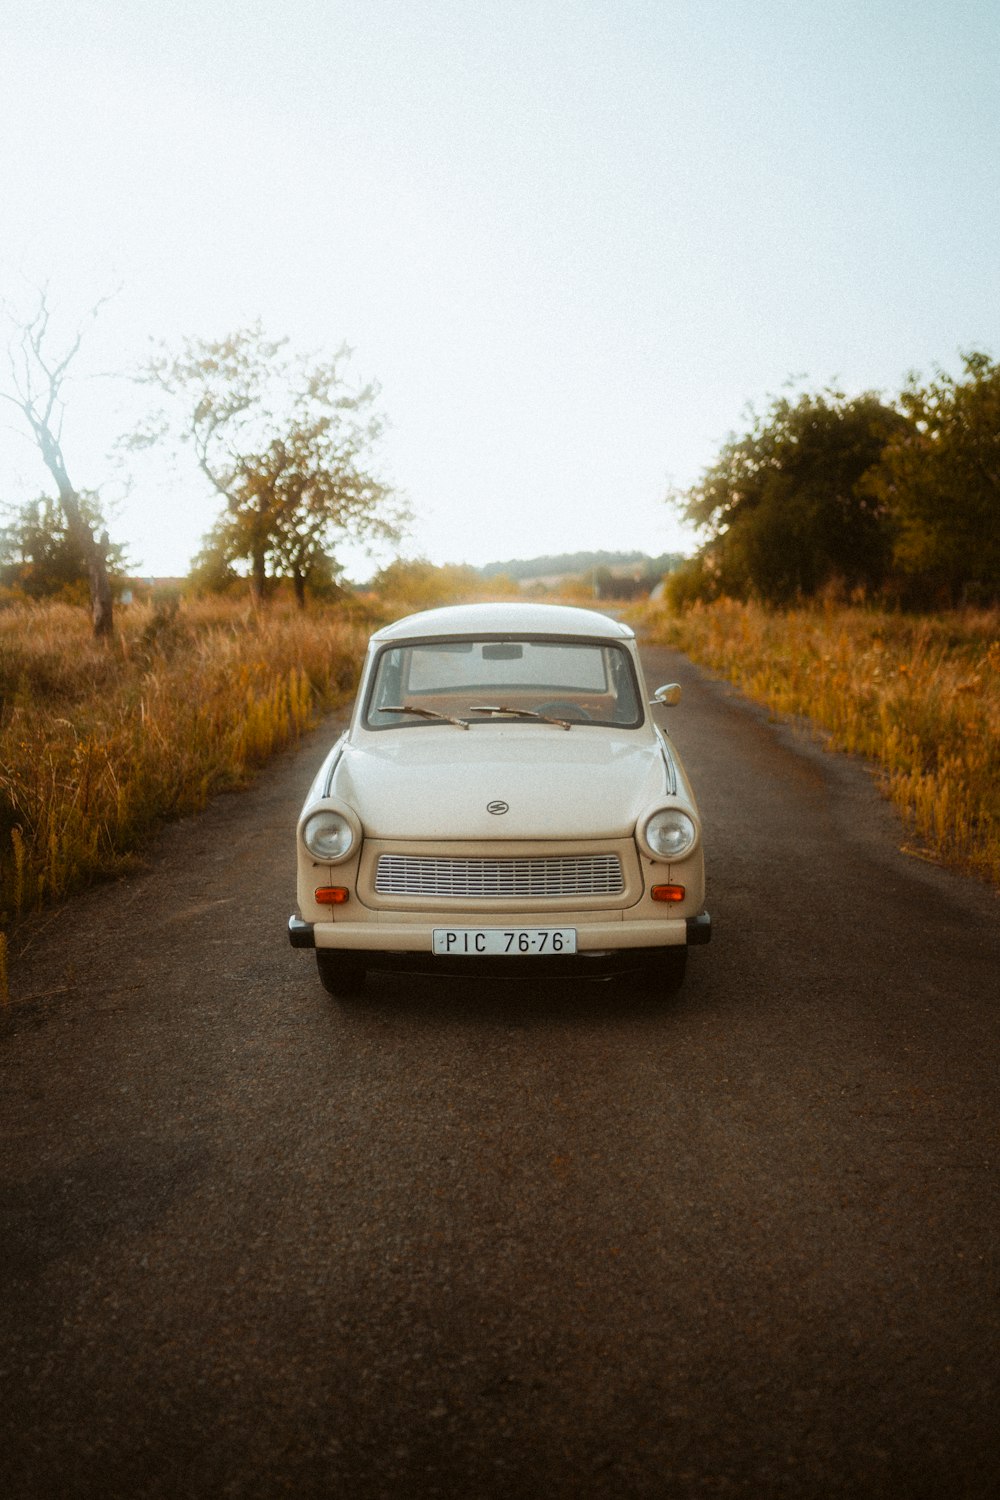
[669, 833]
[330, 833]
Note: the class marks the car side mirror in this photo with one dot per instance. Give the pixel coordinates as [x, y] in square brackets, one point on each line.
[669, 695]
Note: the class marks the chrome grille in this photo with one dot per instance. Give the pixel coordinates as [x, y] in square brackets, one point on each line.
[521, 879]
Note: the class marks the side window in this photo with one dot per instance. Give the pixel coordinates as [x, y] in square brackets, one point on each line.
[627, 709]
[388, 685]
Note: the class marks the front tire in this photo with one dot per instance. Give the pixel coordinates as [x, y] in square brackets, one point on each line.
[666, 975]
[339, 973]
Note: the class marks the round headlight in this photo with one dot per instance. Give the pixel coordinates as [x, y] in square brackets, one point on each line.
[670, 833]
[328, 835]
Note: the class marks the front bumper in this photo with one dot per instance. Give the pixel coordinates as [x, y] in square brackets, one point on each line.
[604, 947]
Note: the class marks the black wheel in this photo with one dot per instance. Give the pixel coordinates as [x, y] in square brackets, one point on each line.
[666, 975]
[339, 973]
[563, 708]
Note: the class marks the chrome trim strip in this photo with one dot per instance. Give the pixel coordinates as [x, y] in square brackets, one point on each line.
[335, 761]
[668, 760]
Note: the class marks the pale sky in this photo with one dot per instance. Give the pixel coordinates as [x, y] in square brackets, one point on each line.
[572, 239]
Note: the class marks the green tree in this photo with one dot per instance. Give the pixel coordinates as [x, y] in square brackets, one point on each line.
[41, 555]
[785, 507]
[211, 571]
[419, 584]
[286, 441]
[940, 477]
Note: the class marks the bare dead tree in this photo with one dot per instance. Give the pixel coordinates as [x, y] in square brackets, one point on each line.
[37, 377]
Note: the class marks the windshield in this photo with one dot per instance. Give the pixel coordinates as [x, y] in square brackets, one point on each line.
[488, 681]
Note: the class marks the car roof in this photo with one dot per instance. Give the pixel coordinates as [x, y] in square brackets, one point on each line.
[506, 618]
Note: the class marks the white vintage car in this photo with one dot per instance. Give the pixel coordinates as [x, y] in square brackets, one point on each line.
[502, 801]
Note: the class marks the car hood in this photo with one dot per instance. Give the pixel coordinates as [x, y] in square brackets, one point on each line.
[432, 783]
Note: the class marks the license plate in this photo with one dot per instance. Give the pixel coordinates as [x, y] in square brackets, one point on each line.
[509, 942]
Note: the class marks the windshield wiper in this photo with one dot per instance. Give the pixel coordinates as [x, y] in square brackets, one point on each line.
[519, 713]
[423, 713]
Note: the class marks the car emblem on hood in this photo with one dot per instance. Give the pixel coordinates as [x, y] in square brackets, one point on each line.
[497, 808]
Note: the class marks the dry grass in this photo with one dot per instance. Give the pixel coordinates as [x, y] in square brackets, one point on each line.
[98, 747]
[919, 696]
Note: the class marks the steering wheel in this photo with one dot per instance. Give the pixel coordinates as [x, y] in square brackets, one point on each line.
[563, 708]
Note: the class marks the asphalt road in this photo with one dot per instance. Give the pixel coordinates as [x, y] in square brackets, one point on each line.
[497, 1239]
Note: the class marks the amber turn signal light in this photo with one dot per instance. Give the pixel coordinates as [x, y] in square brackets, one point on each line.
[667, 893]
[331, 895]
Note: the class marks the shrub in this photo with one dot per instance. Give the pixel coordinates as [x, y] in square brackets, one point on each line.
[918, 695]
[99, 746]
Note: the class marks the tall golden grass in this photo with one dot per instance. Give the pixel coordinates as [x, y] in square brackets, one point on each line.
[918, 695]
[99, 746]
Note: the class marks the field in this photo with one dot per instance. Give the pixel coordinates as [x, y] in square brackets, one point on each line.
[98, 746]
[917, 695]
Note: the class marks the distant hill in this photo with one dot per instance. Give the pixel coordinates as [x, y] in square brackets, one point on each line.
[573, 564]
